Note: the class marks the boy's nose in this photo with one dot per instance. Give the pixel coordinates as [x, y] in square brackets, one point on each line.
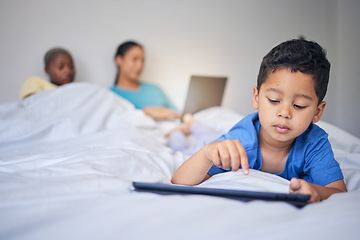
[284, 111]
[68, 69]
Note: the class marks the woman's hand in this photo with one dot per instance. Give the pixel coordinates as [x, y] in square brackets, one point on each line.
[161, 113]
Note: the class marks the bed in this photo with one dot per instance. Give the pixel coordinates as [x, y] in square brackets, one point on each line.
[68, 158]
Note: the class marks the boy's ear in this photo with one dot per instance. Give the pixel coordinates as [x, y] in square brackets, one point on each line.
[255, 98]
[319, 112]
[46, 69]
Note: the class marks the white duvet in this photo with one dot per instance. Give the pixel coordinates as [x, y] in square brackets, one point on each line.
[68, 158]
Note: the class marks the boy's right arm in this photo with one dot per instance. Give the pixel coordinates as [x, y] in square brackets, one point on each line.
[224, 153]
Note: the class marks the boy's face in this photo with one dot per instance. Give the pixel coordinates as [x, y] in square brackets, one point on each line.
[287, 104]
[61, 69]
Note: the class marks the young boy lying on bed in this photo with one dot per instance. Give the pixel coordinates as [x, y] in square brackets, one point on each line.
[281, 138]
[59, 66]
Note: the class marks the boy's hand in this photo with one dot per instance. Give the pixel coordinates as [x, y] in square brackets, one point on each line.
[225, 153]
[303, 187]
[228, 153]
[317, 192]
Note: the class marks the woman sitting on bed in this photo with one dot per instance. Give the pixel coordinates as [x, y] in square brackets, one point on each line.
[150, 98]
[60, 68]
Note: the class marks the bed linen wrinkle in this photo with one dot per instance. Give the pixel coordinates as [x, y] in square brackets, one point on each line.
[67, 174]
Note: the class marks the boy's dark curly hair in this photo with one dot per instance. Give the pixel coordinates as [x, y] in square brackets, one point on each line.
[52, 53]
[298, 55]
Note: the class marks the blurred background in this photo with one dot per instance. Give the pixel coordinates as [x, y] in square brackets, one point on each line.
[183, 38]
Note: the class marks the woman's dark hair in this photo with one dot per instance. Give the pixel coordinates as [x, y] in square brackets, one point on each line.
[121, 50]
[298, 55]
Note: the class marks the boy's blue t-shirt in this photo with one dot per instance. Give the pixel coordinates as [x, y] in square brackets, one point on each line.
[147, 95]
[311, 157]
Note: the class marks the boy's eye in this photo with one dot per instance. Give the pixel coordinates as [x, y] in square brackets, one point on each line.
[273, 101]
[299, 107]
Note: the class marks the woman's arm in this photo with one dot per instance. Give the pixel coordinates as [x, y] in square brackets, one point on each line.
[162, 113]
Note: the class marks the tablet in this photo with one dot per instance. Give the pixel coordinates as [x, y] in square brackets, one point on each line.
[298, 200]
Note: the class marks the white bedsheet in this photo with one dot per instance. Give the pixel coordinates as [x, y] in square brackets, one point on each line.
[68, 157]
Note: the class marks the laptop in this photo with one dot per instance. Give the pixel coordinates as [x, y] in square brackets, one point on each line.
[298, 200]
[204, 92]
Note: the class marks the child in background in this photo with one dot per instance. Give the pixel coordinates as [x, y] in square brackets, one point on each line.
[60, 68]
[281, 138]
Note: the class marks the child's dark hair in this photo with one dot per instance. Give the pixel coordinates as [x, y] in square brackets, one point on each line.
[298, 55]
[122, 49]
[51, 54]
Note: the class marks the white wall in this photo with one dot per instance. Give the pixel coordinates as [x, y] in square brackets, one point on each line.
[184, 37]
[348, 75]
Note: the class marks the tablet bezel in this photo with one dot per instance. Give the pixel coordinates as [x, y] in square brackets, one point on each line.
[298, 200]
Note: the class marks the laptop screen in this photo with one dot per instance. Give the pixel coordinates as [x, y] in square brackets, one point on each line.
[204, 92]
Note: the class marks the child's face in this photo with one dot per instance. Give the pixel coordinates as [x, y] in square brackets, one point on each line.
[287, 104]
[61, 69]
[132, 63]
